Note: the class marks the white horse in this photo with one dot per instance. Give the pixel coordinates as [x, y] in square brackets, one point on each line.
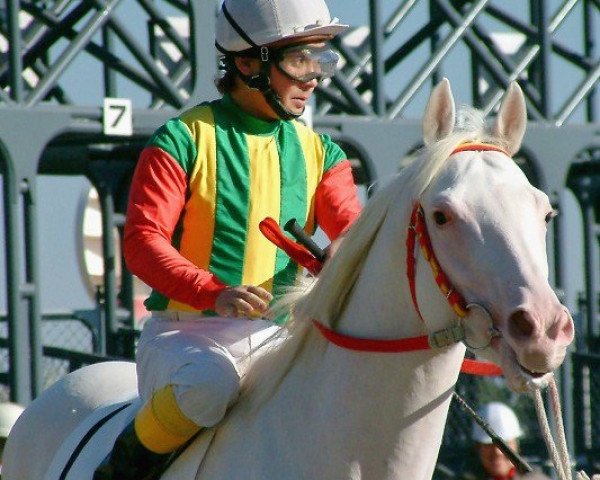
[311, 409]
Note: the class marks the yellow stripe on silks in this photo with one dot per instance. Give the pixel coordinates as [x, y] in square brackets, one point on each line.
[265, 199]
[160, 425]
[312, 148]
[199, 221]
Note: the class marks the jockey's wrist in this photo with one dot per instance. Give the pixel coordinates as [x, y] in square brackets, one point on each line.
[209, 292]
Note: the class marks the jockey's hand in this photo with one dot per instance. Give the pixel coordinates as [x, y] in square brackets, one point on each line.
[243, 301]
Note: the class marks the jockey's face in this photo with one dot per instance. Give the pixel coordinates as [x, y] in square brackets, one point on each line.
[294, 94]
[493, 460]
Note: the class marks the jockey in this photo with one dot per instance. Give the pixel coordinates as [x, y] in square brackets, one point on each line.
[202, 185]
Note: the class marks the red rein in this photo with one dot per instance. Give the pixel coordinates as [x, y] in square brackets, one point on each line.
[299, 253]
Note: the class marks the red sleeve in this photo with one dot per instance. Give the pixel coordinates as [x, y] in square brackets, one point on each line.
[336, 203]
[156, 199]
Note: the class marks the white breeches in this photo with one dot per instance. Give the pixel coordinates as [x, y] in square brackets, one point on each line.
[204, 358]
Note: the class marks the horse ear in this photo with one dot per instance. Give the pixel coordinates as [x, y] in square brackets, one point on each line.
[512, 118]
[438, 121]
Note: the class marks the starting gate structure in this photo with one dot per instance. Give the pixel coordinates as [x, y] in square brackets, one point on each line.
[83, 84]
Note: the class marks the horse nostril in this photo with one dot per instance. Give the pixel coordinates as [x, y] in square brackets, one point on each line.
[562, 329]
[521, 324]
[568, 330]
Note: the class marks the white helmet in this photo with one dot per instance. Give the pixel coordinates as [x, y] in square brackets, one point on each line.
[245, 24]
[9, 413]
[502, 420]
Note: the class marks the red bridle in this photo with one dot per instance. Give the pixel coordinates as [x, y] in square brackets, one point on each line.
[417, 230]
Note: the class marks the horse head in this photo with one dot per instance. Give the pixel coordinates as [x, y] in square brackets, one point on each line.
[487, 226]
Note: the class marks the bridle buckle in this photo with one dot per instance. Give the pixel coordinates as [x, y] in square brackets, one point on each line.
[446, 337]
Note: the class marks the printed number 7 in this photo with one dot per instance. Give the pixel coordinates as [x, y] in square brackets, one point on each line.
[121, 109]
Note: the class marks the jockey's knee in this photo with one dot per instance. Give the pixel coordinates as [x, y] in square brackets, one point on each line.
[204, 392]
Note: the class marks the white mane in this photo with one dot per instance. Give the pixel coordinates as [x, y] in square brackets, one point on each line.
[326, 297]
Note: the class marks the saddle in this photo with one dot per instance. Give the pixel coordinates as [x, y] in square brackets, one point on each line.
[86, 447]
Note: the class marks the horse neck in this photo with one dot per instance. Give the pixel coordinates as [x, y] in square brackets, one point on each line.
[381, 293]
[385, 411]
[379, 403]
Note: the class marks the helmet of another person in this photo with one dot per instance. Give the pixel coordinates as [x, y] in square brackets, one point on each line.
[502, 420]
[246, 24]
[9, 413]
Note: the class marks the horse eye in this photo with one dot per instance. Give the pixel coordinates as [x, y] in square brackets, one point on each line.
[550, 215]
[439, 218]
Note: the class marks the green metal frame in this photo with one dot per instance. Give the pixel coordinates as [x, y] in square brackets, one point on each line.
[367, 106]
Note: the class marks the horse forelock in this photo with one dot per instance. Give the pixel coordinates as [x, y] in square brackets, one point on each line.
[470, 127]
[325, 298]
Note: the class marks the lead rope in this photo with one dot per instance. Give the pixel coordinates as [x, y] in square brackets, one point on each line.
[562, 441]
[559, 455]
[559, 459]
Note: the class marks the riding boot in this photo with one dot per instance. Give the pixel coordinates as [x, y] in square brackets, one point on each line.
[143, 449]
[130, 460]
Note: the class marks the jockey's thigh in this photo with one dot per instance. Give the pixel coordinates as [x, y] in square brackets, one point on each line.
[203, 358]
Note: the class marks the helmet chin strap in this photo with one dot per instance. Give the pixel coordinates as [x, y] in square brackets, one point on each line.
[262, 83]
[275, 102]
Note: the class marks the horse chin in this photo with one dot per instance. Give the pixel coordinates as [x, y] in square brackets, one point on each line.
[518, 378]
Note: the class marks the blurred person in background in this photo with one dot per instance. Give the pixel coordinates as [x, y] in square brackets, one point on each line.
[490, 461]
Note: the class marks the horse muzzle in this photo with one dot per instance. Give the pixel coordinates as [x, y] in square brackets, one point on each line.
[540, 343]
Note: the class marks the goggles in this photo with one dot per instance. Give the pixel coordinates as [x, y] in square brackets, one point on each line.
[304, 63]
